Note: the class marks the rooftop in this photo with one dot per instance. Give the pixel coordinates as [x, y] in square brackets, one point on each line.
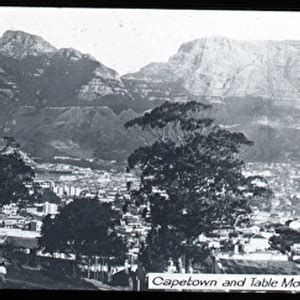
[12, 232]
[259, 267]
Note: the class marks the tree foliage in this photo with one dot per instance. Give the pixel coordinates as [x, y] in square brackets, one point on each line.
[42, 195]
[83, 227]
[285, 238]
[15, 175]
[191, 175]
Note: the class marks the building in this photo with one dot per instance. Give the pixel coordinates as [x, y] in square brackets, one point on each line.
[295, 225]
[66, 190]
[10, 209]
[35, 225]
[255, 243]
[19, 239]
[12, 221]
[263, 263]
[50, 209]
[32, 210]
[249, 230]
[295, 249]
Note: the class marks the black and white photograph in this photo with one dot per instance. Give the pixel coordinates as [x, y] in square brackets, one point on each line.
[149, 149]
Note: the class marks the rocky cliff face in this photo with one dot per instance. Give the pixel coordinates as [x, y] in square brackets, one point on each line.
[19, 44]
[62, 102]
[33, 72]
[222, 67]
[254, 87]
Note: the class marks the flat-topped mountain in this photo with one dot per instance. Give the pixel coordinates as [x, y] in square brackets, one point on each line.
[222, 67]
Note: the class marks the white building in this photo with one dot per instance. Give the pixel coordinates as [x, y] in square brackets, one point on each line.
[273, 255]
[67, 190]
[256, 243]
[50, 208]
[32, 210]
[295, 249]
[10, 209]
[295, 225]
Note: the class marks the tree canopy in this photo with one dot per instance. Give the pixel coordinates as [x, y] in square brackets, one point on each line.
[83, 227]
[15, 175]
[42, 195]
[191, 175]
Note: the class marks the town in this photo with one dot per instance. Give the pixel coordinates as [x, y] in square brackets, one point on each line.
[269, 243]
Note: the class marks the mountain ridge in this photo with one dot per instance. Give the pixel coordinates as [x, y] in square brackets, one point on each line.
[224, 67]
[64, 102]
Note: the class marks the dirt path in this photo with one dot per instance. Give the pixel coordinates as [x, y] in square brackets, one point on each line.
[105, 287]
[25, 284]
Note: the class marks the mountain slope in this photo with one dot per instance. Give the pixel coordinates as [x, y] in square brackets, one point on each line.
[72, 131]
[62, 102]
[33, 72]
[254, 87]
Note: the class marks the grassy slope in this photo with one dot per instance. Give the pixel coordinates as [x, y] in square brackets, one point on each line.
[19, 278]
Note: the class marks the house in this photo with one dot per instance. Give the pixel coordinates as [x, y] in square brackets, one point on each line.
[13, 222]
[244, 266]
[264, 262]
[214, 244]
[24, 243]
[250, 230]
[295, 248]
[10, 209]
[32, 209]
[12, 232]
[295, 252]
[35, 225]
[256, 242]
[50, 208]
[19, 239]
[295, 224]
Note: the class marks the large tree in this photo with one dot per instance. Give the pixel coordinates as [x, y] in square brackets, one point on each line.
[83, 227]
[42, 195]
[15, 175]
[193, 178]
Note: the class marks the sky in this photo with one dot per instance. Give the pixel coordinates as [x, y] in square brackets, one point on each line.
[128, 39]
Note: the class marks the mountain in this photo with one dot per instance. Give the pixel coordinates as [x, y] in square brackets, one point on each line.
[18, 44]
[75, 131]
[254, 87]
[219, 67]
[61, 102]
[33, 72]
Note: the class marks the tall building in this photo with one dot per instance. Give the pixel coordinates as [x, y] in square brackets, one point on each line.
[50, 208]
